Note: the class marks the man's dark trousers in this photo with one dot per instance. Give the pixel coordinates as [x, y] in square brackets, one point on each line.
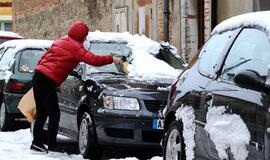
[47, 105]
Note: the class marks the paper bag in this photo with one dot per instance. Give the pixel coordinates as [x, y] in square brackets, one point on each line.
[27, 106]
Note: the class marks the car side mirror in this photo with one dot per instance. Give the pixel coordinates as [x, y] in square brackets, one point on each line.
[251, 80]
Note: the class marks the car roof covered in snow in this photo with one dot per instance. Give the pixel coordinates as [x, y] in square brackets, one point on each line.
[21, 44]
[254, 19]
[9, 34]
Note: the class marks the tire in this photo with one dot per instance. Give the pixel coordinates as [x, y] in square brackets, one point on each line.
[174, 146]
[87, 139]
[6, 119]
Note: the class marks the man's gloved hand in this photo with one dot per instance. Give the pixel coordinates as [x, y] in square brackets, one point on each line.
[117, 60]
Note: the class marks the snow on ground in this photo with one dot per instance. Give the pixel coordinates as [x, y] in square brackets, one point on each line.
[227, 131]
[186, 115]
[15, 146]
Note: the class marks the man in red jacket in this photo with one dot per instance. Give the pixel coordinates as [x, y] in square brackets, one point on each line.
[52, 69]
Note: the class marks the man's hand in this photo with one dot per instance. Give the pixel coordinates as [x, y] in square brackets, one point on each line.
[117, 60]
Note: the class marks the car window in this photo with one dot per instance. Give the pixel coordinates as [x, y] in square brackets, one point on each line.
[167, 56]
[6, 58]
[251, 50]
[29, 59]
[211, 52]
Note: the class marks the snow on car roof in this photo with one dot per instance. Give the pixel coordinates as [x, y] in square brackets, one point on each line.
[260, 19]
[21, 44]
[9, 34]
[144, 64]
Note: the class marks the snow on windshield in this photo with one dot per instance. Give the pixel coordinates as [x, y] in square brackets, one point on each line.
[144, 64]
[260, 19]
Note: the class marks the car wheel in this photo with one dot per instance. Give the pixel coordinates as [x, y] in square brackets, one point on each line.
[6, 119]
[174, 147]
[88, 146]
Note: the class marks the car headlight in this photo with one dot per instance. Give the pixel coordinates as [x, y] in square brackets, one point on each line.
[123, 103]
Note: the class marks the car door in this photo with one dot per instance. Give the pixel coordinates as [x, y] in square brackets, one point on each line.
[243, 111]
[69, 94]
[208, 62]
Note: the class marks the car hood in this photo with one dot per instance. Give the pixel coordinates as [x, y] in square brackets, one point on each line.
[126, 86]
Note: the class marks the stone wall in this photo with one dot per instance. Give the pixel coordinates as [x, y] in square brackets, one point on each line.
[50, 19]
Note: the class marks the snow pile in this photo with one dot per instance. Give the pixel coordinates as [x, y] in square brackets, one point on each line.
[186, 115]
[260, 19]
[9, 34]
[227, 131]
[15, 146]
[144, 64]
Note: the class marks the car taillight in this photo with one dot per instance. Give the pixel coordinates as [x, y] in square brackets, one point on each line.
[15, 86]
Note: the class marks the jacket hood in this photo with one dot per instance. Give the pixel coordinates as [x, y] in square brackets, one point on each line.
[78, 31]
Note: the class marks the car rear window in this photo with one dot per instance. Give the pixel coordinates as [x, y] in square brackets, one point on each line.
[29, 59]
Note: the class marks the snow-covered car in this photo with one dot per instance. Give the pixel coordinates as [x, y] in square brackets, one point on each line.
[104, 107]
[218, 108]
[18, 59]
[8, 35]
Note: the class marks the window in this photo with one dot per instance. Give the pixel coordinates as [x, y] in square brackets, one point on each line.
[29, 59]
[211, 53]
[168, 57]
[120, 20]
[8, 26]
[251, 50]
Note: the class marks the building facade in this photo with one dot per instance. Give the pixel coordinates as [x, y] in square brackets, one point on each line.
[186, 24]
[5, 15]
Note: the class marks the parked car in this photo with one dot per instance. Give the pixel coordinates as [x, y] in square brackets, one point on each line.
[18, 59]
[103, 107]
[8, 35]
[218, 108]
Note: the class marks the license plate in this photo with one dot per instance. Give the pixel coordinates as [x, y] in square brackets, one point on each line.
[158, 124]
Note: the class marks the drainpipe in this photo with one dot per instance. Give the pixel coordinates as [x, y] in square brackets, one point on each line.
[166, 13]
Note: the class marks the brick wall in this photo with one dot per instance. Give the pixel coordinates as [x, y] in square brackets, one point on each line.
[50, 19]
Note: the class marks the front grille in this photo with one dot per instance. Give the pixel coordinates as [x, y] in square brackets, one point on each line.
[152, 136]
[119, 133]
[154, 106]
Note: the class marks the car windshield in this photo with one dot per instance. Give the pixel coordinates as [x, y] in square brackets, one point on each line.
[29, 59]
[121, 50]
[116, 49]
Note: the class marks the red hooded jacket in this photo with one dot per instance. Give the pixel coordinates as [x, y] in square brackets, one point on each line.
[66, 53]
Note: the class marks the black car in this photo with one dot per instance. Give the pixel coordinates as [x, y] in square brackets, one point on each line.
[18, 59]
[218, 108]
[103, 107]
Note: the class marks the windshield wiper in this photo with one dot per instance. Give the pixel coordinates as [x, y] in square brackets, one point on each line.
[236, 65]
[114, 73]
